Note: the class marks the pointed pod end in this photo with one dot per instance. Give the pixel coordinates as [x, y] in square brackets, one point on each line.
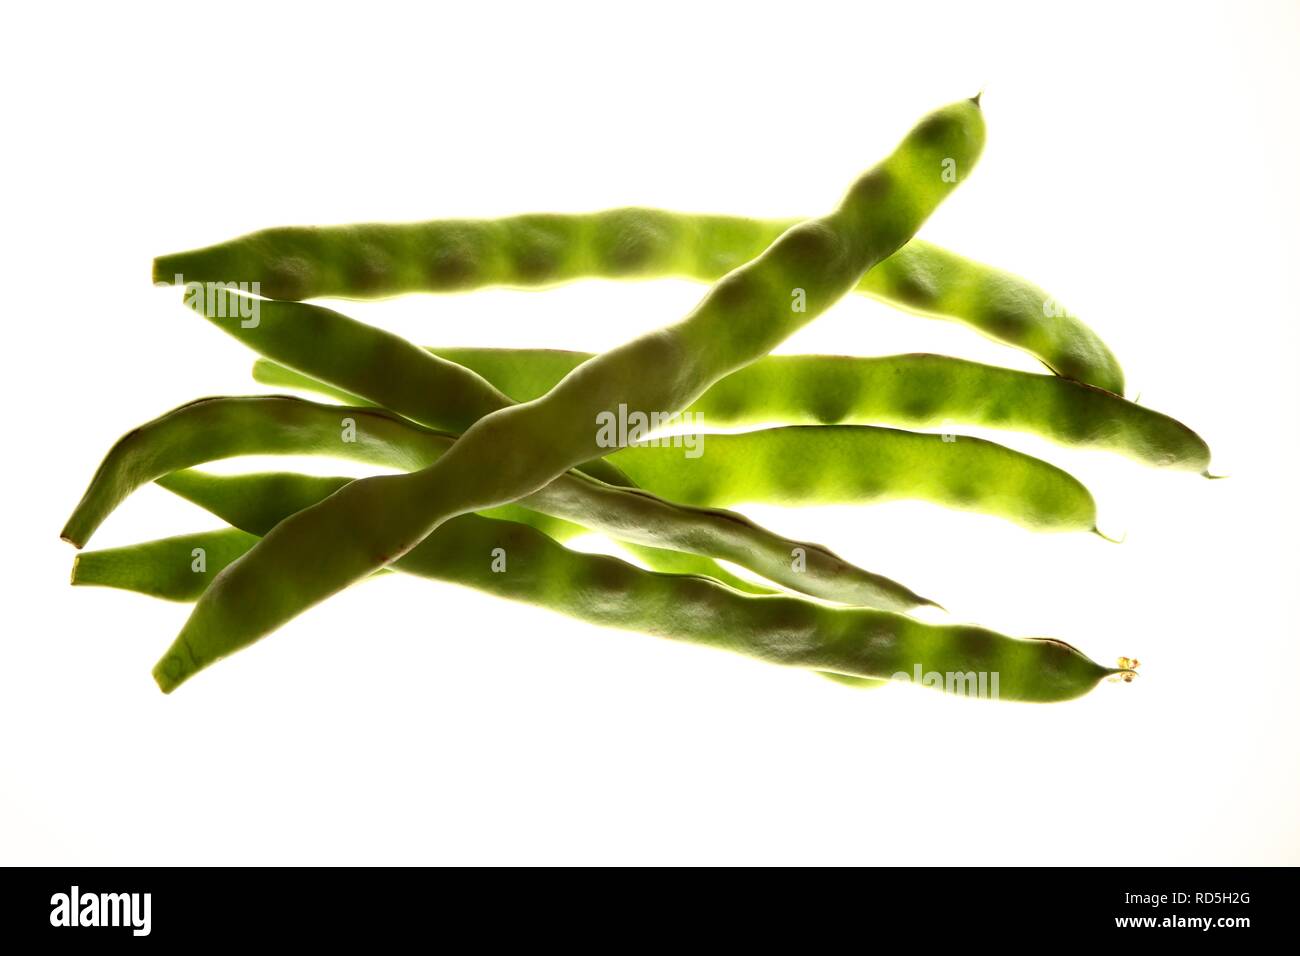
[1105, 537]
[928, 612]
[976, 98]
[1206, 474]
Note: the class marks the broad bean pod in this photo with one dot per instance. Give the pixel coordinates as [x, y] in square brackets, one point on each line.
[913, 391]
[375, 260]
[516, 451]
[851, 644]
[217, 428]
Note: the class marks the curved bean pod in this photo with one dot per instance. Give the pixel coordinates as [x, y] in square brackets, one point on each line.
[216, 428]
[374, 260]
[209, 429]
[516, 451]
[916, 391]
[850, 644]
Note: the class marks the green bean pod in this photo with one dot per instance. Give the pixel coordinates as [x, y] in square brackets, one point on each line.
[856, 646]
[516, 451]
[217, 428]
[911, 391]
[375, 260]
[854, 464]
[174, 569]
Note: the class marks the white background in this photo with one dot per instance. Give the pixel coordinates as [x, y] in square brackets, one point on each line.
[1141, 165]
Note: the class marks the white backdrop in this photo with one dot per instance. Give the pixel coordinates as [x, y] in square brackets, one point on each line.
[1141, 165]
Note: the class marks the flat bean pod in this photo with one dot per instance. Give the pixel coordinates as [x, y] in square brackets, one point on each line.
[516, 451]
[913, 391]
[179, 568]
[851, 644]
[217, 428]
[842, 464]
[375, 260]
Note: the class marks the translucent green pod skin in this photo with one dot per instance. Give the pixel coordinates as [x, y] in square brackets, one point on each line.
[376, 260]
[174, 569]
[210, 429]
[841, 464]
[934, 282]
[930, 391]
[512, 453]
[218, 428]
[540, 250]
[854, 646]
[911, 391]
